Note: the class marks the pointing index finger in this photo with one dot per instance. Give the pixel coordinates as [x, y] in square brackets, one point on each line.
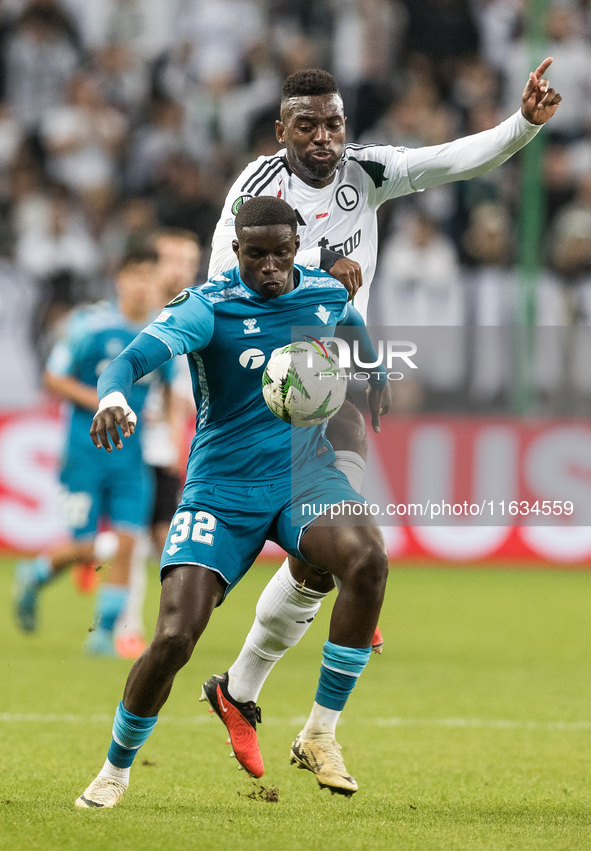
[541, 69]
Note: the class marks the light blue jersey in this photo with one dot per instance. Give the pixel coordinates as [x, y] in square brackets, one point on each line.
[229, 333]
[250, 476]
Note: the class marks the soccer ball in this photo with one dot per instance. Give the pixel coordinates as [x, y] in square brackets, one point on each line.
[303, 384]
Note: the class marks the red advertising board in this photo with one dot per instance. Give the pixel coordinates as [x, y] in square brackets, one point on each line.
[440, 463]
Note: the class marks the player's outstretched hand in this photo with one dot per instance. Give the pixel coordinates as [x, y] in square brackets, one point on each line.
[107, 422]
[379, 401]
[348, 272]
[539, 102]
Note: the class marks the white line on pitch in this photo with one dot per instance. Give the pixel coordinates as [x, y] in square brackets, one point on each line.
[460, 723]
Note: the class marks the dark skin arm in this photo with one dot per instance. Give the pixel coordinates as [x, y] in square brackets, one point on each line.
[379, 401]
[348, 272]
[71, 389]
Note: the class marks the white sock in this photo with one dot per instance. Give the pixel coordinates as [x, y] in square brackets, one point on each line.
[353, 466]
[114, 773]
[105, 546]
[284, 612]
[321, 720]
[131, 620]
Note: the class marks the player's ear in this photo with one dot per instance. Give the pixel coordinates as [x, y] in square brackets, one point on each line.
[235, 248]
[280, 131]
[297, 243]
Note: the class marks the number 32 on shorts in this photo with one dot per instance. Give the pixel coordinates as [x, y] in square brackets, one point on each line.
[202, 524]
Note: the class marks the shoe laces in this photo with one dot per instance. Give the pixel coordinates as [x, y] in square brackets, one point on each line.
[104, 789]
[250, 710]
[332, 749]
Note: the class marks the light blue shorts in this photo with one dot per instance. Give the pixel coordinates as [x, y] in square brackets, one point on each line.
[224, 526]
[97, 490]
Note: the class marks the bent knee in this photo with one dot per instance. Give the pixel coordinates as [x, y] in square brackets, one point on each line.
[310, 577]
[367, 560]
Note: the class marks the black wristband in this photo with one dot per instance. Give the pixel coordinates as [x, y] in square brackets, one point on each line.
[328, 258]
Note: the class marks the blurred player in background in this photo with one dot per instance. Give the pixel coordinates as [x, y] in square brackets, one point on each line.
[166, 413]
[179, 256]
[119, 491]
[336, 190]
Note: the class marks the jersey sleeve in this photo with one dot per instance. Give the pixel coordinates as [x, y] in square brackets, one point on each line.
[186, 323]
[143, 355]
[395, 172]
[313, 257]
[387, 169]
[469, 156]
[167, 372]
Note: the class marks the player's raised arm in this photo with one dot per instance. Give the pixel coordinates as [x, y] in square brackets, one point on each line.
[479, 153]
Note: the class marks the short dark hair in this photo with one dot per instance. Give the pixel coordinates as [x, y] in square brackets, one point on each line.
[309, 83]
[135, 256]
[265, 210]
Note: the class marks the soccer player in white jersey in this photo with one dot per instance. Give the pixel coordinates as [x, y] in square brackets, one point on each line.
[336, 189]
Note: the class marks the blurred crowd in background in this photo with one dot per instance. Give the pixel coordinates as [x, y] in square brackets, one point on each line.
[121, 116]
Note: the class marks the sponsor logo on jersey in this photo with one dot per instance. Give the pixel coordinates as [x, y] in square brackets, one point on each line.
[347, 197]
[323, 314]
[252, 359]
[178, 299]
[347, 247]
[239, 202]
[251, 326]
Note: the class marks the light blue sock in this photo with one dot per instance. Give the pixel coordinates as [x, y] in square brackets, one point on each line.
[41, 570]
[341, 667]
[110, 602]
[129, 734]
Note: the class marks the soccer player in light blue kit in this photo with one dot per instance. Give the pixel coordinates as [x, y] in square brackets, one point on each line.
[248, 477]
[118, 489]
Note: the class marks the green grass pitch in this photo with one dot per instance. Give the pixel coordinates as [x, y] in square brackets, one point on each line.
[471, 731]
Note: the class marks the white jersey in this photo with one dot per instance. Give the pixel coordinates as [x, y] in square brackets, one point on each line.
[341, 217]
